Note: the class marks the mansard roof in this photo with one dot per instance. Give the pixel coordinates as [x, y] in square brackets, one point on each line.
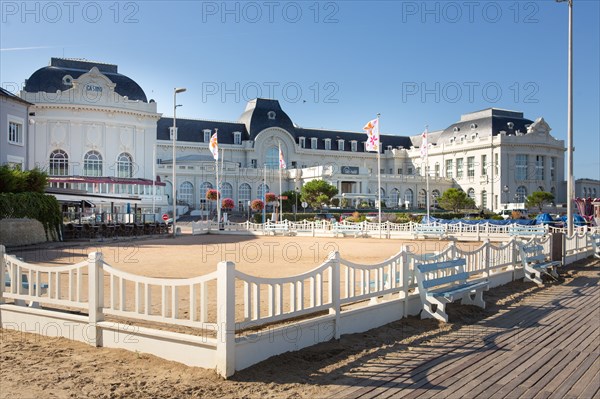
[50, 79]
[192, 130]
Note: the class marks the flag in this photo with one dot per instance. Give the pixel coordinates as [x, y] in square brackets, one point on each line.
[213, 146]
[424, 144]
[372, 130]
[282, 164]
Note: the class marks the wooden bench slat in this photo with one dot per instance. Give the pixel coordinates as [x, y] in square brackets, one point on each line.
[430, 267]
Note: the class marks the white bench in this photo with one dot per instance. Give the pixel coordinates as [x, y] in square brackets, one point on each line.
[429, 230]
[526, 231]
[343, 229]
[443, 282]
[596, 245]
[535, 263]
[278, 228]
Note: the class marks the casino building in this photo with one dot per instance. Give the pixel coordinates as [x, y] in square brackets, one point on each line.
[94, 130]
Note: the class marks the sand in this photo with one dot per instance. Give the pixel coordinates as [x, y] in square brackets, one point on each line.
[33, 366]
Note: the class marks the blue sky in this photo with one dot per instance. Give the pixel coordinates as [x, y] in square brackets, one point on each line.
[332, 64]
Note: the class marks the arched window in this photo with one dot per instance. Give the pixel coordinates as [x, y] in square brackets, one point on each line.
[521, 194]
[92, 164]
[226, 190]
[435, 195]
[204, 187]
[422, 199]
[59, 163]
[553, 191]
[272, 158]
[124, 165]
[244, 193]
[262, 189]
[484, 201]
[594, 193]
[408, 197]
[186, 193]
[382, 193]
[394, 195]
[471, 193]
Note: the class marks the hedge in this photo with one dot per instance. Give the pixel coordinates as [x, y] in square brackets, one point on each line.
[44, 208]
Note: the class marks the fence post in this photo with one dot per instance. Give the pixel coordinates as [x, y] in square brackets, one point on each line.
[406, 277]
[486, 257]
[335, 293]
[225, 319]
[95, 298]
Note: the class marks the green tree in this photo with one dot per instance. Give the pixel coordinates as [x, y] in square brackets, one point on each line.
[288, 204]
[318, 192]
[14, 180]
[538, 199]
[454, 199]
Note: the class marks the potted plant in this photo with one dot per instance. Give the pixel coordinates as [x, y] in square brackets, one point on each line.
[227, 204]
[270, 198]
[257, 205]
[212, 195]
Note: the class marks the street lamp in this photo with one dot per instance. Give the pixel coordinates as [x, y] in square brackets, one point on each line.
[506, 196]
[296, 206]
[570, 185]
[175, 91]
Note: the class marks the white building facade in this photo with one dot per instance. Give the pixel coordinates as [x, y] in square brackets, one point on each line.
[95, 130]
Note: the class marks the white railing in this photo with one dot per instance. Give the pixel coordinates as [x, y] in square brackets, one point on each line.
[173, 301]
[230, 302]
[288, 297]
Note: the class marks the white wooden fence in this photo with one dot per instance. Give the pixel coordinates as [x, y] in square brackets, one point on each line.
[462, 231]
[233, 319]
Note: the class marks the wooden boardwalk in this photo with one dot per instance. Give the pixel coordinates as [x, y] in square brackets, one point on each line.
[547, 346]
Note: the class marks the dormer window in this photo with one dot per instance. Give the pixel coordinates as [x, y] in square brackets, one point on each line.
[271, 115]
[206, 135]
[313, 143]
[340, 145]
[389, 147]
[237, 138]
[302, 142]
[473, 126]
[510, 125]
[171, 133]
[327, 144]
[354, 145]
[456, 129]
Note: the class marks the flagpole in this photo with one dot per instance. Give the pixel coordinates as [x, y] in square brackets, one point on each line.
[379, 174]
[264, 218]
[280, 200]
[217, 183]
[427, 174]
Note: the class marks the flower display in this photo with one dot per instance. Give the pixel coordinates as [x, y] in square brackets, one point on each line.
[270, 197]
[257, 205]
[212, 195]
[227, 203]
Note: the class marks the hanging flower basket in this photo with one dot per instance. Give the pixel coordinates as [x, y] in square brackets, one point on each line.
[227, 204]
[270, 197]
[212, 195]
[257, 205]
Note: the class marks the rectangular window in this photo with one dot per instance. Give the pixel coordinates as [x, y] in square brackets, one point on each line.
[459, 168]
[400, 171]
[15, 132]
[552, 169]
[328, 144]
[237, 138]
[302, 142]
[484, 165]
[496, 164]
[340, 145]
[293, 164]
[471, 166]
[253, 163]
[206, 135]
[354, 145]
[521, 167]
[382, 171]
[437, 170]
[449, 168]
[391, 171]
[410, 170]
[313, 143]
[539, 167]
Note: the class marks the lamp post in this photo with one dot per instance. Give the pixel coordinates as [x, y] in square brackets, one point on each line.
[175, 91]
[296, 206]
[506, 196]
[570, 185]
